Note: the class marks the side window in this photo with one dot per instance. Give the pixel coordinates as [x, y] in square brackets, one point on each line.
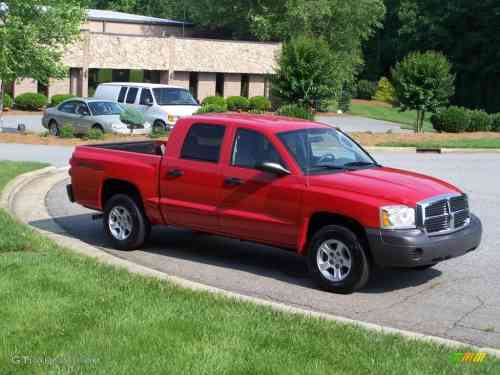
[68, 107]
[82, 109]
[132, 94]
[203, 143]
[146, 97]
[121, 95]
[251, 149]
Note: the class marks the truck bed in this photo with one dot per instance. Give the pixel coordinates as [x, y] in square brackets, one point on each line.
[141, 147]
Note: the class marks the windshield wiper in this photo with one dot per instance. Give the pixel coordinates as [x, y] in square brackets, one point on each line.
[360, 164]
[328, 166]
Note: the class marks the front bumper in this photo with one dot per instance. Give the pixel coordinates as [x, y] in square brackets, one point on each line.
[411, 248]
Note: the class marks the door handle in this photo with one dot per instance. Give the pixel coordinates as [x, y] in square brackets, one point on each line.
[175, 173]
[233, 181]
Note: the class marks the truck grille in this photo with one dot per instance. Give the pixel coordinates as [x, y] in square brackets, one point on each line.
[444, 215]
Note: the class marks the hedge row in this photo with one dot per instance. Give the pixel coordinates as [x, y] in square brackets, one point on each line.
[34, 101]
[458, 119]
[237, 103]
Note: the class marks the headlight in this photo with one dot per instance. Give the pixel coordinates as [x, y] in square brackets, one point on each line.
[171, 118]
[397, 217]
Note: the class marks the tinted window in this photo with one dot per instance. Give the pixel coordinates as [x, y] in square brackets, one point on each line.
[203, 142]
[251, 149]
[173, 96]
[121, 96]
[132, 94]
[146, 97]
[68, 107]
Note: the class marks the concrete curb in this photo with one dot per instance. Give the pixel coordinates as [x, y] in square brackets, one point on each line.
[48, 177]
[443, 150]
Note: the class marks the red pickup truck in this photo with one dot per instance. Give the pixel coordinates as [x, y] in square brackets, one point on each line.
[293, 184]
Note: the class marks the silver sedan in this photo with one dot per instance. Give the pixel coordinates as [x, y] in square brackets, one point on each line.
[85, 114]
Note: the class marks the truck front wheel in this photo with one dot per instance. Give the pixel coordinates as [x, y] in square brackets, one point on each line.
[124, 223]
[337, 260]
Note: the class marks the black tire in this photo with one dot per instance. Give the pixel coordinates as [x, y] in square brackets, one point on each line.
[159, 125]
[139, 228]
[54, 128]
[358, 274]
[423, 268]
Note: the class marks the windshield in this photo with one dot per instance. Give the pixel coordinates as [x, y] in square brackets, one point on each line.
[321, 150]
[105, 108]
[173, 96]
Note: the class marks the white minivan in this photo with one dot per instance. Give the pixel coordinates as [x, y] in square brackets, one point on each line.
[162, 105]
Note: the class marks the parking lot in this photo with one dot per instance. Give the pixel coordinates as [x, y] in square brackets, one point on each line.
[459, 299]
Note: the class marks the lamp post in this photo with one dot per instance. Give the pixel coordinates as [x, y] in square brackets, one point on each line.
[4, 10]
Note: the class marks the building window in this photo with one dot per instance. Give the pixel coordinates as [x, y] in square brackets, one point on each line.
[219, 84]
[245, 85]
[193, 84]
[121, 75]
[152, 76]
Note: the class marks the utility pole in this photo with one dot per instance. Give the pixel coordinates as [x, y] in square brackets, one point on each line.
[4, 10]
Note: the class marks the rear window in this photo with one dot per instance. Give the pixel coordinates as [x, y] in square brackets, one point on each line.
[203, 143]
[68, 107]
[121, 96]
[132, 94]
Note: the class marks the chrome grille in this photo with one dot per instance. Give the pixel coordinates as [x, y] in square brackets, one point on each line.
[444, 214]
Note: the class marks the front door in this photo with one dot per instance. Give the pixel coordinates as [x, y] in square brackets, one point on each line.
[257, 205]
[190, 183]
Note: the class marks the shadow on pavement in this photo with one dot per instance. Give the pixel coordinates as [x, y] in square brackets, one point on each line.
[260, 260]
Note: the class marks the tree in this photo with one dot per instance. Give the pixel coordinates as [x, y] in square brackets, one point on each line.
[307, 72]
[423, 82]
[33, 36]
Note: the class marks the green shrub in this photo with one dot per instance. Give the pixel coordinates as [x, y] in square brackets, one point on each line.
[451, 120]
[133, 117]
[260, 103]
[94, 134]
[31, 101]
[217, 100]
[208, 108]
[7, 101]
[58, 99]
[495, 122]
[385, 91]
[67, 131]
[480, 121]
[322, 106]
[365, 89]
[45, 134]
[158, 133]
[237, 103]
[295, 110]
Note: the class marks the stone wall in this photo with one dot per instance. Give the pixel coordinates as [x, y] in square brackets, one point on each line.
[25, 85]
[206, 85]
[180, 79]
[232, 85]
[256, 85]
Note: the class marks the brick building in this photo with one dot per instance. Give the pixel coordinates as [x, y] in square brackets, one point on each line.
[116, 46]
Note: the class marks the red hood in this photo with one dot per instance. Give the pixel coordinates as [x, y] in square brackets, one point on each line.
[390, 184]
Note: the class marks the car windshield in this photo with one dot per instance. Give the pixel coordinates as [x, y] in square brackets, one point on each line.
[173, 96]
[319, 150]
[105, 108]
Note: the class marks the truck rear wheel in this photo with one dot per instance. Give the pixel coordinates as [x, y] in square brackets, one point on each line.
[124, 223]
[337, 260]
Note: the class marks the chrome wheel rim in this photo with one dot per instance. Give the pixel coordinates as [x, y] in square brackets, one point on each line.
[120, 223]
[53, 129]
[334, 260]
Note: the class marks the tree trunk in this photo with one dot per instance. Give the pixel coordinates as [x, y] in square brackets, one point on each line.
[422, 122]
[417, 123]
[2, 94]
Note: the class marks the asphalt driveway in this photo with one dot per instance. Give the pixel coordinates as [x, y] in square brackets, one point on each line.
[459, 299]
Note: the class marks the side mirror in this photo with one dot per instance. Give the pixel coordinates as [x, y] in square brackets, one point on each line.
[273, 168]
[149, 102]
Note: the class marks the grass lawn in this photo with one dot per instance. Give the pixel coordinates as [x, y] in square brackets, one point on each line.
[384, 112]
[62, 313]
[451, 143]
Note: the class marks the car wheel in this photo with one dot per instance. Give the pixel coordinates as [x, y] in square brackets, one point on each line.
[423, 268]
[53, 128]
[124, 223]
[337, 260]
[159, 126]
[98, 128]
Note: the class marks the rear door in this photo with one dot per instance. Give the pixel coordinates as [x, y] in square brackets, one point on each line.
[191, 179]
[257, 205]
[67, 113]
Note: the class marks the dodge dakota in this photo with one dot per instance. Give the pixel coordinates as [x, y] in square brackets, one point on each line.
[294, 184]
